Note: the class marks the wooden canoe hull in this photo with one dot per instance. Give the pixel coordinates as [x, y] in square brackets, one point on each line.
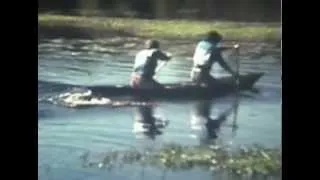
[184, 90]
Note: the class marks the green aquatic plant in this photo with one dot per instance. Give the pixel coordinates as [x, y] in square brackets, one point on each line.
[243, 161]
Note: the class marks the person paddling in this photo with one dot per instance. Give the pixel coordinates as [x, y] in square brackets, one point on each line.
[145, 65]
[208, 52]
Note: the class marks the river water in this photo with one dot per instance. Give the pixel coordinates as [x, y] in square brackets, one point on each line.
[64, 134]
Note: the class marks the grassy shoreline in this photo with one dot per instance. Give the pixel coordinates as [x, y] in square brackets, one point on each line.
[101, 27]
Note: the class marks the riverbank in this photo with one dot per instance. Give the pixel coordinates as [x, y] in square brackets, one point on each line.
[126, 35]
[104, 27]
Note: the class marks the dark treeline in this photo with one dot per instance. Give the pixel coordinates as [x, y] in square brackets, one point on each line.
[236, 10]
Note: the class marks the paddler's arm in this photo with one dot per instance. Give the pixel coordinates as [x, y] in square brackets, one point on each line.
[163, 56]
[221, 49]
[224, 65]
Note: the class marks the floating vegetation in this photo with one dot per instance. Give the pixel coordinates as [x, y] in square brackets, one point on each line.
[243, 161]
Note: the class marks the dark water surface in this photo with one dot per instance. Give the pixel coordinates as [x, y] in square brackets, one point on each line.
[65, 134]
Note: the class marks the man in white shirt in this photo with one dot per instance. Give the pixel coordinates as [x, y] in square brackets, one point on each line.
[145, 65]
[206, 54]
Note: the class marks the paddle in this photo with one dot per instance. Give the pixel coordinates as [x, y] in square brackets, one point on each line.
[237, 81]
[237, 51]
[163, 64]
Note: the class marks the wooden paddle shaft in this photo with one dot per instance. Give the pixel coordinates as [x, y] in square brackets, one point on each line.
[162, 65]
[236, 47]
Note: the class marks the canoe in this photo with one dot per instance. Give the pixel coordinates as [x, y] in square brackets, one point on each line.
[184, 90]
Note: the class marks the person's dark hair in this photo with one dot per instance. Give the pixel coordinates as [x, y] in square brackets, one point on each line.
[213, 36]
[152, 44]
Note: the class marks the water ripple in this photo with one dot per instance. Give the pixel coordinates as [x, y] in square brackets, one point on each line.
[64, 133]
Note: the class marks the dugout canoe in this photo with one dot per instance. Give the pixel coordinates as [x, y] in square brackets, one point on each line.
[184, 90]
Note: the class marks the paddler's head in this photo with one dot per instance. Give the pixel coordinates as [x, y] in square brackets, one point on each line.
[152, 44]
[213, 36]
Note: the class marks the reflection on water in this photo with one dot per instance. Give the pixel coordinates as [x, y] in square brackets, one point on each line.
[205, 126]
[147, 124]
[64, 134]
